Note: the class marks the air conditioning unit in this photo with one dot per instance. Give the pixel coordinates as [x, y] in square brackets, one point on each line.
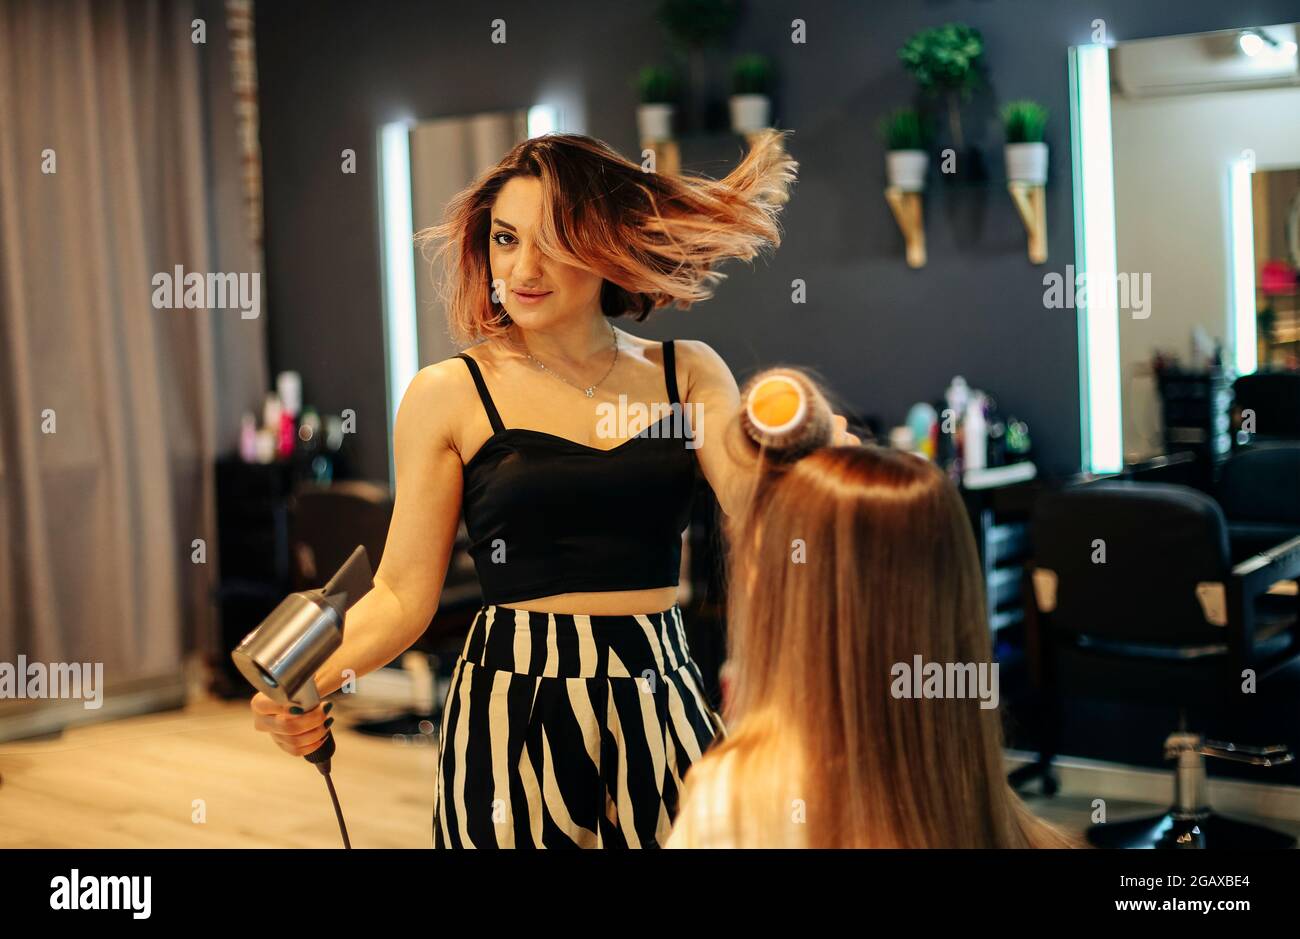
[1179, 65]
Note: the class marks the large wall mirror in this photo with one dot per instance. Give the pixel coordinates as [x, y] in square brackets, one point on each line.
[422, 165]
[1194, 141]
[1275, 205]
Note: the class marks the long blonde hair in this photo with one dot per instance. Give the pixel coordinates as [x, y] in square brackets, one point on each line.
[847, 562]
[653, 237]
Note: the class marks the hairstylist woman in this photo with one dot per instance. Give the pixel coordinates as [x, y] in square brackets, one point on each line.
[575, 708]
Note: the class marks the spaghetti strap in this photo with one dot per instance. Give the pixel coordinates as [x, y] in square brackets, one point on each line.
[486, 398]
[670, 372]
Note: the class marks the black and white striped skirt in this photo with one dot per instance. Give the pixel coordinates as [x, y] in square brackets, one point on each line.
[569, 730]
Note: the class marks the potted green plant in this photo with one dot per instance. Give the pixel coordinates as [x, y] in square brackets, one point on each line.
[1025, 151]
[906, 133]
[751, 85]
[946, 61]
[698, 24]
[658, 87]
[696, 31]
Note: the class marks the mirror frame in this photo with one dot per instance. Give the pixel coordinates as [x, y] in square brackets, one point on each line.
[1092, 151]
[1093, 168]
[397, 255]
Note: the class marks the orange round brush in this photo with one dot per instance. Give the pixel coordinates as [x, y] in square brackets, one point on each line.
[784, 413]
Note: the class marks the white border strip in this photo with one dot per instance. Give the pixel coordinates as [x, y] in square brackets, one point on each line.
[543, 119]
[1245, 352]
[1094, 245]
[401, 337]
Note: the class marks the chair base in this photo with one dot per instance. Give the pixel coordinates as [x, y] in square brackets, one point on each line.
[411, 725]
[1170, 830]
[1040, 769]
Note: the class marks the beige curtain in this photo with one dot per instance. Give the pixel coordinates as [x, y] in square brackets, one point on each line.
[119, 159]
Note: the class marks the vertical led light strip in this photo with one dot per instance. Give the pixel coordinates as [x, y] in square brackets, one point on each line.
[1243, 267]
[397, 255]
[1094, 247]
[543, 119]
[398, 259]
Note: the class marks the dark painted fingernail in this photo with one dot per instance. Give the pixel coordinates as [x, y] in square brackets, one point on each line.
[328, 722]
[329, 707]
[295, 710]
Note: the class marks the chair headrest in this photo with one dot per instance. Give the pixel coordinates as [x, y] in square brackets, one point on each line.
[1128, 557]
[1262, 484]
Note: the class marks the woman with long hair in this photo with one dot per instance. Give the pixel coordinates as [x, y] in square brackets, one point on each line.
[570, 447]
[850, 566]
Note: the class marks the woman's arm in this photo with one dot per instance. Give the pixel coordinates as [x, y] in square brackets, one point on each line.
[712, 400]
[422, 533]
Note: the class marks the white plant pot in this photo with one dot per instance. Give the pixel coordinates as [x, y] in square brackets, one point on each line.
[655, 121]
[750, 113]
[905, 169]
[1026, 163]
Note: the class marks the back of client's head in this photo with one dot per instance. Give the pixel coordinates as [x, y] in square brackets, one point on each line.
[853, 569]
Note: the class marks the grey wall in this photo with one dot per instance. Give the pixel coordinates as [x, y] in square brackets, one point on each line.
[883, 335]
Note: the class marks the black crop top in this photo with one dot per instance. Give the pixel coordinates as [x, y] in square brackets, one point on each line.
[548, 515]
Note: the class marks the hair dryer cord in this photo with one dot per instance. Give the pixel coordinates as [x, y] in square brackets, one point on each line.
[343, 829]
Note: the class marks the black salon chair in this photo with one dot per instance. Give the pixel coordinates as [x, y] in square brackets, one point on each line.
[1273, 398]
[1137, 601]
[1259, 492]
[326, 523]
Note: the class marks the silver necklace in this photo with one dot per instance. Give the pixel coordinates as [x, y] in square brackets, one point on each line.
[590, 390]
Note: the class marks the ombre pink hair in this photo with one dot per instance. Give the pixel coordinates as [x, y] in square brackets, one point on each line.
[654, 238]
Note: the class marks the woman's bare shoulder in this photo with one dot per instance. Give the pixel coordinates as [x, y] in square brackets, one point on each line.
[435, 402]
[484, 352]
[701, 369]
[437, 385]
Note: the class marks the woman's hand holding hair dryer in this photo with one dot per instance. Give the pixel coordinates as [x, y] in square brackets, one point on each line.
[297, 734]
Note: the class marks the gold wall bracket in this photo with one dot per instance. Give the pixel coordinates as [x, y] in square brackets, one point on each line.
[911, 222]
[668, 156]
[1031, 204]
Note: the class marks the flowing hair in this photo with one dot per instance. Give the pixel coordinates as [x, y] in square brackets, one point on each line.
[654, 238]
[847, 562]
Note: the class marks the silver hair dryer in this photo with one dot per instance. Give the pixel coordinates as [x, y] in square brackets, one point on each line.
[280, 657]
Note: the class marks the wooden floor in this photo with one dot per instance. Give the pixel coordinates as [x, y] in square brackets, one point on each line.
[134, 783]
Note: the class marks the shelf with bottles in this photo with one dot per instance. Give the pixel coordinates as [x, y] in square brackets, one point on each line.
[968, 435]
[290, 433]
